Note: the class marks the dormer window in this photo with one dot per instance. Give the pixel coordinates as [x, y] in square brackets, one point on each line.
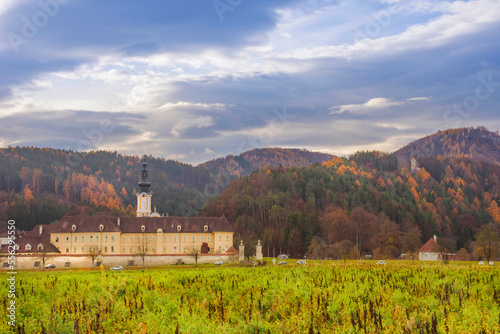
[101, 227]
[40, 247]
[205, 228]
[143, 228]
[57, 239]
[73, 227]
[16, 247]
[178, 228]
[28, 247]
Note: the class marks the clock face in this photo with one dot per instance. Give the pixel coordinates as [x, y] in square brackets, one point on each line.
[143, 195]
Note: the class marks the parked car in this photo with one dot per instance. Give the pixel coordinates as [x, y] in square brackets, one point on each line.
[382, 262]
[481, 263]
[283, 257]
[301, 262]
[281, 263]
[491, 263]
[218, 263]
[50, 266]
[116, 268]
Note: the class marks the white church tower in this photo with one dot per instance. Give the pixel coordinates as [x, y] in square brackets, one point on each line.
[144, 196]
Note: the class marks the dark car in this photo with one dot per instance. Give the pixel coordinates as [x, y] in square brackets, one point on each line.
[50, 266]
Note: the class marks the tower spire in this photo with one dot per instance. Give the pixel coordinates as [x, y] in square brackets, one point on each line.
[144, 184]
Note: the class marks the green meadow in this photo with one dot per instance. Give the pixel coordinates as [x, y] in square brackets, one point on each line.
[326, 297]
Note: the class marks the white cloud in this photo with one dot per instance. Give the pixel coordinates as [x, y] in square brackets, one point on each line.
[187, 123]
[372, 104]
[208, 151]
[175, 156]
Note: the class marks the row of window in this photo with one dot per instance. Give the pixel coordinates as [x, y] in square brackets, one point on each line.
[124, 250]
[124, 239]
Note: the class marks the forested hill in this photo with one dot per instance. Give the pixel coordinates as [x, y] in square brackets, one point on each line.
[478, 144]
[372, 208]
[247, 162]
[40, 185]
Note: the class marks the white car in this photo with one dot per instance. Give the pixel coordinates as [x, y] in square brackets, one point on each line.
[491, 263]
[481, 263]
[382, 262]
[116, 268]
[301, 262]
[218, 263]
[281, 263]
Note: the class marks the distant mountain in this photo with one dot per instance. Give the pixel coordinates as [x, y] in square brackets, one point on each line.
[477, 144]
[250, 161]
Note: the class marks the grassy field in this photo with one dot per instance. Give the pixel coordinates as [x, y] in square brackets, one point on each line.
[316, 298]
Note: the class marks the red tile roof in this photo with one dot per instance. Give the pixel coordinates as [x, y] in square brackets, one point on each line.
[232, 250]
[33, 242]
[430, 246]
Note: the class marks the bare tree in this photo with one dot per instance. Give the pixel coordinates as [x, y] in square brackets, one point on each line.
[412, 243]
[143, 248]
[487, 242]
[43, 256]
[93, 253]
[194, 253]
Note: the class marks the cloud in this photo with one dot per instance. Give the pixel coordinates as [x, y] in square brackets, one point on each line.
[187, 123]
[175, 156]
[208, 151]
[373, 104]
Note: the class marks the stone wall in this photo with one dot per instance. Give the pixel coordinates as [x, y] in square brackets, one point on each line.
[28, 261]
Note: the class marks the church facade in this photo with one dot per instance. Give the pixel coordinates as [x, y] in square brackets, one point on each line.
[120, 239]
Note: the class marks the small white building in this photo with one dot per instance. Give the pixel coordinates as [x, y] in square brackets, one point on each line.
[429, 251]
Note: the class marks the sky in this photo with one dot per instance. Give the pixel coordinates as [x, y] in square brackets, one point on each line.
[200, 79]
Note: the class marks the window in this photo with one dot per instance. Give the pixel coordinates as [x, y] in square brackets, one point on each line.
[40, 247]
[164, 239]
[147, 239]
[138, 239]
[16, 247]
[67, 239]
[175, 238]
[205, 228]
[193, 239]
[75, 238]
[74, 249]
[73, 227]
[184, 250]
[184, 239]
[124, 239]
[67, 249]
[112, 238]
[57, 239]
[220, 237]
[90, 238]
[131, 239]
[201, 239]
[154, 239]
[106, 238]
[175, 250]
[178, 228]
[27, 247]
[164, 250]
[112, 249]
[101, 227]
[143, 228]
[97, 238]
[227, 237]
[123, 250]
[83, 238]
[131, 250]
[105, 249]
[208, 238]
[83, 250]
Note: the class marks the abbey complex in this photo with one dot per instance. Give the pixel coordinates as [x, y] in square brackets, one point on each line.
[75, 241]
